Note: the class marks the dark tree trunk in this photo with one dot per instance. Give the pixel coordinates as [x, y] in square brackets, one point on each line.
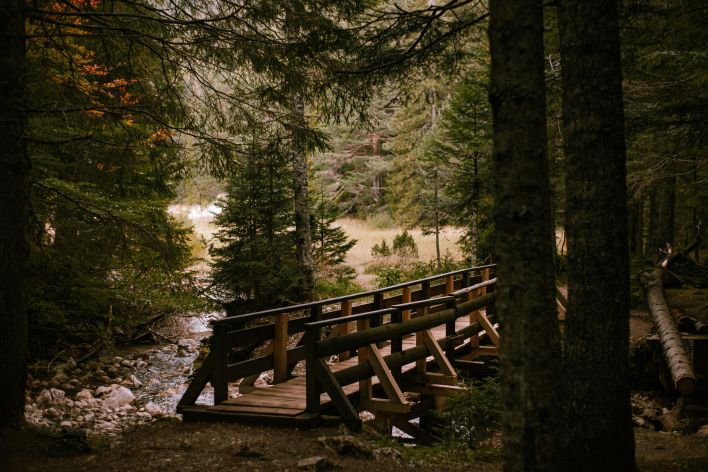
[303, 235]
[530, 349]
[667, 205]
[652, 247]
[639, 241]
[632, 231]
[597, 412]
[14, 215]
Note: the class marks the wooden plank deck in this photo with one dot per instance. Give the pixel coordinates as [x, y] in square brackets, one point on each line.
[287, 399]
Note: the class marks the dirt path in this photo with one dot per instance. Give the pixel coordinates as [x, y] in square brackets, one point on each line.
[202, 446]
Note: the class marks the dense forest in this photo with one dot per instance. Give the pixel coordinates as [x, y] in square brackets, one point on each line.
[566, 140]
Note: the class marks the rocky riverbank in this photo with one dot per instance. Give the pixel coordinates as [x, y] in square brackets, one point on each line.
[110, 395]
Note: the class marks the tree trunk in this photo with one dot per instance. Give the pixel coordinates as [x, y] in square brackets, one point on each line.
[303, 235]
[474, 232]
[530, 349]
[437, 222]
[652, 247]
[667, 205]
[597, 411]
[674, 351]
[14, 215]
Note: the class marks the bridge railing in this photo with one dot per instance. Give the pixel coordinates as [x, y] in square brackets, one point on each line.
[274, 331]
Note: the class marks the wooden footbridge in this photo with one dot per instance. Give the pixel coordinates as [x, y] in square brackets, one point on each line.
[395, 352]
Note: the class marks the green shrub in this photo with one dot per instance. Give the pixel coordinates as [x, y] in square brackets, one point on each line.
[388, 275]
[381, 250]
[472, 417]
[404, 245]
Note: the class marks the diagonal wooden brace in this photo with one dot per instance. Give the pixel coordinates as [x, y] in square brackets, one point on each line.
[488, 327]
[389, 384]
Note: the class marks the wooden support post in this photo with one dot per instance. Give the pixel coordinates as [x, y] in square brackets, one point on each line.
[364, 384]
[449, 284]
[450, 330]
[345, 328]
[312, 387]
[425, 290]
[378, 304]
[406, 298]
[480, 291]
[396, 342]
[280, 348]
[420, 364]
[221, 364]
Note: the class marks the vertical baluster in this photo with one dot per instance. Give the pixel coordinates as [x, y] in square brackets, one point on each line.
[280, 348]
[344, 328]
[221, 362]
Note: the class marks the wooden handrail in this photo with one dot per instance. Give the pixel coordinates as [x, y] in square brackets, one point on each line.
[349, 318]
[465, 290]
[330, 346]
[425, 302]
[331, 301]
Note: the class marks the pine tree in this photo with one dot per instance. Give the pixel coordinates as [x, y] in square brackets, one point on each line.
[254, 262]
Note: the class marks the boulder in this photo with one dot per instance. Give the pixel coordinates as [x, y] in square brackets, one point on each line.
[153, 409]
[120, 396]
[189, 345]
[347, 445]
[316, 463]
[53, 396]
[84, 395]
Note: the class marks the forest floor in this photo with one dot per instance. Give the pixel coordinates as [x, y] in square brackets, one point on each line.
[169, 444]
[207, 446]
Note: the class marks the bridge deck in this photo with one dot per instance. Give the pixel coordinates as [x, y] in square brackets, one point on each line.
[288, 398]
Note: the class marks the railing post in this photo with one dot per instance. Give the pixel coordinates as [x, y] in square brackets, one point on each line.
[378, 304]
[280, 348]
[449, 284]
[419, 337]
[363, 354]
[344, 328]
[449, 288]
[312, 387]
[221, 363]
[396, 343]
[406, 298]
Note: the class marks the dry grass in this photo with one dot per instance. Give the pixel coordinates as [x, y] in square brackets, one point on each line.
[367, 235]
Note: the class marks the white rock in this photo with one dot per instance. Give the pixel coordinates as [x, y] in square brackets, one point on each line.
[84, 395]
[703, 431]
[89, 417]
[153, 409]
[105, 425]
[126, 363]
[143, 415]
[189, 345]
[67, 424]
[120, 396]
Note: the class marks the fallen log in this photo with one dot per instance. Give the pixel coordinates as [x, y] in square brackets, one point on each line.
[674, 351]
